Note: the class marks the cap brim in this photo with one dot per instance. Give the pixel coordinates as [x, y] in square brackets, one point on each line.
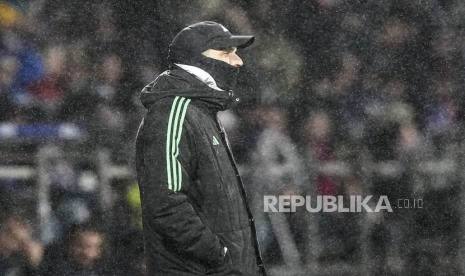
[242, 41]
[239, 41]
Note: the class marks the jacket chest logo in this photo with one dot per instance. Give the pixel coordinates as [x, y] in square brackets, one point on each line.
[215, 141]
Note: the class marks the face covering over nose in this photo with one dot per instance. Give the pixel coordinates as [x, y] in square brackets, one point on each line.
[224, 74]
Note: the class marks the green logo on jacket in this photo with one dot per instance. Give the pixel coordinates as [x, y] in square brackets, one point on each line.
[215, 141]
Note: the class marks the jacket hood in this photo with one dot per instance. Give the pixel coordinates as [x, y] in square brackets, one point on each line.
[178, 82]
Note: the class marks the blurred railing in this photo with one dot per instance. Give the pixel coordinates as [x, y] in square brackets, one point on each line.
[49, 140]
[425, 176]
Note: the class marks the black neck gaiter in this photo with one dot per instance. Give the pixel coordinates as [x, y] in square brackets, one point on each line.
[225, 75]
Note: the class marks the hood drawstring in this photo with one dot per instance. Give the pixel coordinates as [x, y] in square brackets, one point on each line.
[232, 96]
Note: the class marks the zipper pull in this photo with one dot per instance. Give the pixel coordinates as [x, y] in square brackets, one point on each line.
[233, 97]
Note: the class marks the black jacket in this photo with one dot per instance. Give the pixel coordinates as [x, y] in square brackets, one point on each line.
[193, 200]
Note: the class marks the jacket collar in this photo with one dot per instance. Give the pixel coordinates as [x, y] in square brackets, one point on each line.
[179, 82]
[200, 74]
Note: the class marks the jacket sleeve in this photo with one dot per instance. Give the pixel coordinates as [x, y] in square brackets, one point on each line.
[167, 156]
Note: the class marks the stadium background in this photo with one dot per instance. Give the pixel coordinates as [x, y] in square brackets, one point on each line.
[337, 99]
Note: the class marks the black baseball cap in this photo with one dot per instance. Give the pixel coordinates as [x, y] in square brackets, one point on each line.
[204, 35]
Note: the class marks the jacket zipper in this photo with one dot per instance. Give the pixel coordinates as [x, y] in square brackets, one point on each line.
[242, 192]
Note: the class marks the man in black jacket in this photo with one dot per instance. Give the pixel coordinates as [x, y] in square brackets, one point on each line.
[195, 213]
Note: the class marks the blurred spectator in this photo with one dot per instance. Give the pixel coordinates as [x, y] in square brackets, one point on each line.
[82, 253]
[8, 68]
[319, 150]
[48, 91]
[276, 161]
[277, 170]
[9, 13]
[30, 66]
[106, 120]
[78, 100]
[20, 253]
[386, 111]
[134, 202]
[442, 113]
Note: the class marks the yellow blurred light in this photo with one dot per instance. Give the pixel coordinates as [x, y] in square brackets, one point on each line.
[8, 15]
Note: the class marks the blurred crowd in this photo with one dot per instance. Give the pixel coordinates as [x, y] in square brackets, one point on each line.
[361, 85]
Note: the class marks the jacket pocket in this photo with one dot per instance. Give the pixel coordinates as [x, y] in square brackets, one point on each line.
[224, 267]
[234, 248]
[241, 259]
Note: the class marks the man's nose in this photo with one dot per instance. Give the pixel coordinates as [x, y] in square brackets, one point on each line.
[235, 60]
